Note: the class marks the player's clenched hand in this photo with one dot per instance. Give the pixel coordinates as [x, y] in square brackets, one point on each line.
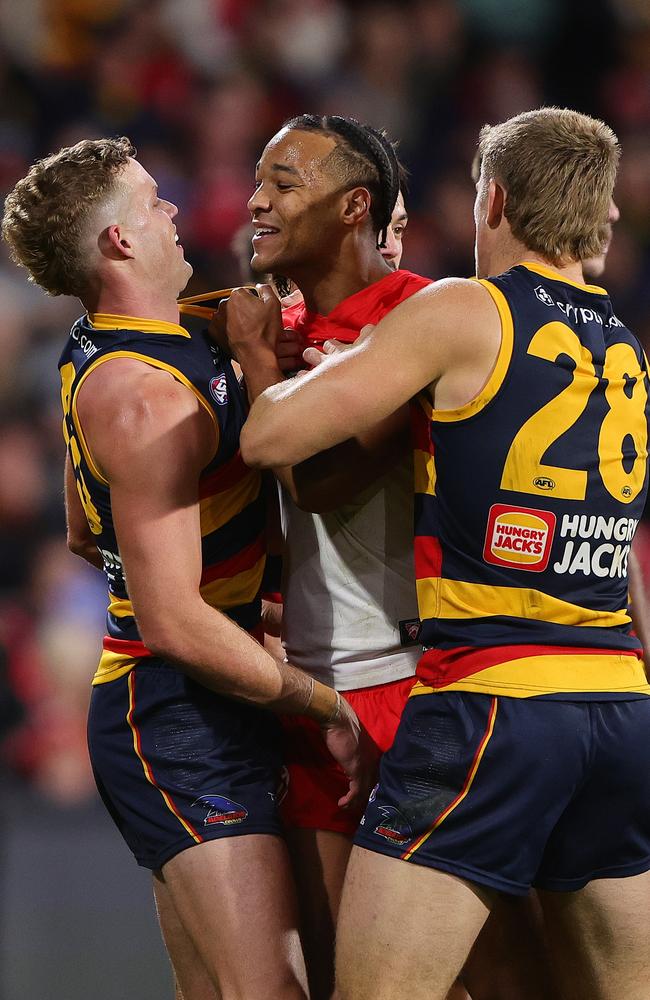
[251, 321]
[351, 747]
[288, 350]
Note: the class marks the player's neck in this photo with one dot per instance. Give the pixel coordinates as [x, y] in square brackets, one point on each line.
[572, 270]
[513, 253]
[125, 302]
[324, 289]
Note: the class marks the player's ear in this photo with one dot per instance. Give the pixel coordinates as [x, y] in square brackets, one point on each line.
[496, 204]
[356, 206]
[114, 243]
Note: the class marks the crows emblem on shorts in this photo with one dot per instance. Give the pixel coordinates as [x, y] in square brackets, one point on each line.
[221, 810]
[394, 826]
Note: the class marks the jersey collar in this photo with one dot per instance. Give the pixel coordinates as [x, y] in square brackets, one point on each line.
[112, 321]
[547, 272]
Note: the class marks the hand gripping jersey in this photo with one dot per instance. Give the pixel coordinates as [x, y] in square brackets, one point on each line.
[231, 501]
[527, 500]
[350, 607]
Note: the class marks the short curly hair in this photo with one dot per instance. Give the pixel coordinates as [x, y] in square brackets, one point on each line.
[45, 213]
[558, 168]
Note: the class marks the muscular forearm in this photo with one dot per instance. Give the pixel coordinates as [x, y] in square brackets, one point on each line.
[216, 652]
[260, 367]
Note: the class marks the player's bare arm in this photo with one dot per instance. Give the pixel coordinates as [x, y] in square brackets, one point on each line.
[335, 476]
[80, 538]
[447, 335]
[151, 450]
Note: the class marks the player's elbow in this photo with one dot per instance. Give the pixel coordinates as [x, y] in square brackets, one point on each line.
[80, 546]
[162, 642]
[162, 635]
[256, 448]
[76, 544]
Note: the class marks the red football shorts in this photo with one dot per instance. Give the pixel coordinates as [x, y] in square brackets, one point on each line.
[315, 780]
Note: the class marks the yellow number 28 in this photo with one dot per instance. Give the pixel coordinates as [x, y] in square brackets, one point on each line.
[524, 471]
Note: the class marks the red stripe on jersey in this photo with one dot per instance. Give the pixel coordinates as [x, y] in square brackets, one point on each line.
[242, 560]
[224, 477]
[428, 556]
[446, 666]
[126, 647]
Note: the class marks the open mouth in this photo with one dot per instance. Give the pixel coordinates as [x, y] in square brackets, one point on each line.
[264, 233]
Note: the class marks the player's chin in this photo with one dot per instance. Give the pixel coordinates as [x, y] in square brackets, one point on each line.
[262, 263]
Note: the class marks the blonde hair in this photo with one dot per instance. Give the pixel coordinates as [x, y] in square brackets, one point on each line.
[46, 213]
[558, 168]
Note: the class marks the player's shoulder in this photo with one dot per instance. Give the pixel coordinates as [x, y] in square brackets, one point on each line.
[132, 395]
[454, 294]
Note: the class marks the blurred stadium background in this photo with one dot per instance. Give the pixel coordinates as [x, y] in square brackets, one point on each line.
[199, 86]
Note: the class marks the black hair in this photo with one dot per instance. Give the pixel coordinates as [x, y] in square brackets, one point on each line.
[370, 161]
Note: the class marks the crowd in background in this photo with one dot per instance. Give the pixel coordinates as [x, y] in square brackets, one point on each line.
[199, 87]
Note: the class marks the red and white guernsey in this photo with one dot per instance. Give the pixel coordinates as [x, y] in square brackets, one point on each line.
[350, 611]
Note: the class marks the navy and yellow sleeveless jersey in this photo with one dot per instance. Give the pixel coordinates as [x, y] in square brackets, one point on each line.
[527, 499]
[232, 510]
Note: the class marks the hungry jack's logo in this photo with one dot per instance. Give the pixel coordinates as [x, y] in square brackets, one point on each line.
[518, 537]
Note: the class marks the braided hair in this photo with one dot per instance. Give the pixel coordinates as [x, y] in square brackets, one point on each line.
[367, 158]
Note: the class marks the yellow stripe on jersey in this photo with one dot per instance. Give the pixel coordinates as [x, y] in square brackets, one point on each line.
[113, 665]
[152, 362]
[424, 468]
[531, 676]
[229, 591]
[119, 607]
[495, 381]
[441, 598]
[219, 508]
[547, 272]
[112, 321]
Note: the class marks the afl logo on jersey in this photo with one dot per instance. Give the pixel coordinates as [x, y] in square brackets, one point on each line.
[219, 389]
[519, 537]
[544, 483]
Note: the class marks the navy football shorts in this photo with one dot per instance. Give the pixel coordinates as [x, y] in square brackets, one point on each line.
[514, 792]
[177, 764]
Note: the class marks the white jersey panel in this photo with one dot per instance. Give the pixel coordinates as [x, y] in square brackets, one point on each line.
[348, 581]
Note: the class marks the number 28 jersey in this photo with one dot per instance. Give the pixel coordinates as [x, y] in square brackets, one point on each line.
[526, 503]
